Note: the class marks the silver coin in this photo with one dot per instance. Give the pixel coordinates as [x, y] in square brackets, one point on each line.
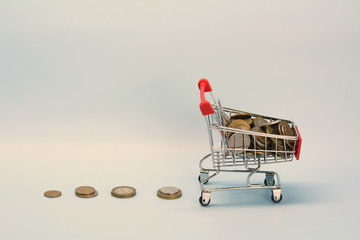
[239, 141]
[123, 192]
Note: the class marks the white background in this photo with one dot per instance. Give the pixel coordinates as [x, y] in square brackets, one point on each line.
[104, 93]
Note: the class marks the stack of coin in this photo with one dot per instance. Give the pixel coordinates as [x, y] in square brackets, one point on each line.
[240, 124]
[284, 129]
[239, 140]
[259, 142]
[86, 192]
[244, 116]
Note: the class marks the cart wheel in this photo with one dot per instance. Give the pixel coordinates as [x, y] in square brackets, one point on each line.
[276, 200]
[199, 178]
[269, 182]
[203, 201]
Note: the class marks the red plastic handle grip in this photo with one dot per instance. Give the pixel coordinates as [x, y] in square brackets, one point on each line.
[298, 144]
[205, 106]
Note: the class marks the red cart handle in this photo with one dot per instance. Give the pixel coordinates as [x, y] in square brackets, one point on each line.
[205, 106]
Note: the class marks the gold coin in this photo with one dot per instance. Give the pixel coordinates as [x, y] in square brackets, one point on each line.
[260, 141]
[272, 129]
[240, 122]
[241, 116]
[123, 192]
[52, 194]
[86, 192]
[248, 120]
[281, 127]
[88, 196]
[169, 193]
[286, 130]
[244, 127]
[246, 117]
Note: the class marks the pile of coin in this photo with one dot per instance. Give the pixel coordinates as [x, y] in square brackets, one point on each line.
[246, 121]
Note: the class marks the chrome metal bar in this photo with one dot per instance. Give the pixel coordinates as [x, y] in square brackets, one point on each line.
[238, 188]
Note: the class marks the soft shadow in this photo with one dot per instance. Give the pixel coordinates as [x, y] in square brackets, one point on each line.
[293, 194]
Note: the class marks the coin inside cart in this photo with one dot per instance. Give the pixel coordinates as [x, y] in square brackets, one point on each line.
[169, 193]
[123, 192]
[86, 192]
[52, 194]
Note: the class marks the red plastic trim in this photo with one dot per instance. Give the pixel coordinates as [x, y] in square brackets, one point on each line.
[205, 106]
[298, 144]
[207, 85]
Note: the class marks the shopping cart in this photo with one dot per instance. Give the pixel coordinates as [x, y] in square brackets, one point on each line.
[242, 149]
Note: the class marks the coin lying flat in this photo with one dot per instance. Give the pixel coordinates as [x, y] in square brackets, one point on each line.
[86, 192]
[123, 192]
[169, 193]
[52, 194]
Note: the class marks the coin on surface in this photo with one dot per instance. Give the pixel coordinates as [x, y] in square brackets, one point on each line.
[52, 194]
[123, 192]
[86, 192]
[169, 193]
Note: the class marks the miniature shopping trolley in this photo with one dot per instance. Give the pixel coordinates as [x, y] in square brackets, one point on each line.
[242, 142]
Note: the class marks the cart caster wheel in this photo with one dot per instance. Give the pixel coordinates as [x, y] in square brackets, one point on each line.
[276, 199]
[203, 175]
[204, 201]
[268, 182]
[200, 178]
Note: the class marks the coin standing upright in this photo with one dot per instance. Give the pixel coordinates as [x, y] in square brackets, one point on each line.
[242, 142]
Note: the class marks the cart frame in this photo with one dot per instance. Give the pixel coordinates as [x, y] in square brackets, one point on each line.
[233, 159]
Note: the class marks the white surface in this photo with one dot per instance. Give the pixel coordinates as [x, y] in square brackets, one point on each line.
[103, 93]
